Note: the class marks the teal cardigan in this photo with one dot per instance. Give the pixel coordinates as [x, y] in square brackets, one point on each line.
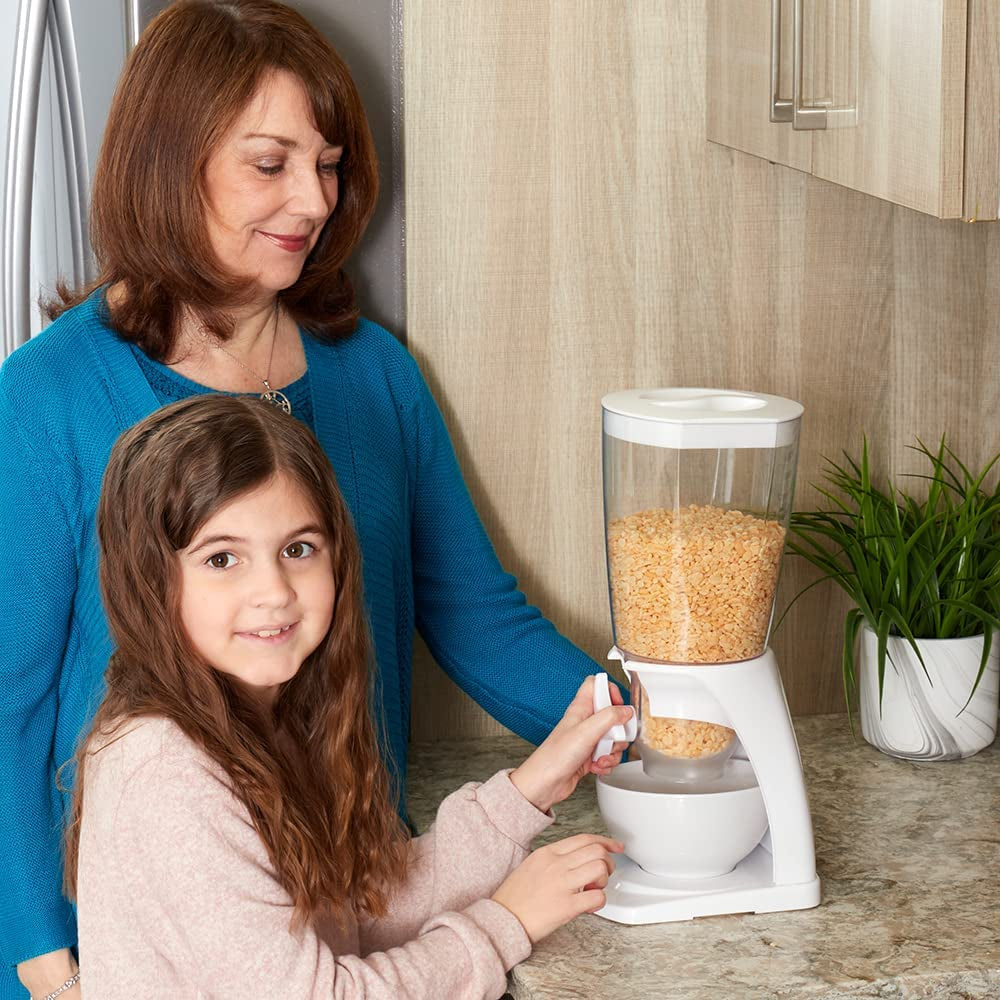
[64, 398]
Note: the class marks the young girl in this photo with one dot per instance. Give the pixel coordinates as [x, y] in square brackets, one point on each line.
[234, 832]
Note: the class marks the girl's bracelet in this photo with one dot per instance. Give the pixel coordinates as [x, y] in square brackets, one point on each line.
[68, 985]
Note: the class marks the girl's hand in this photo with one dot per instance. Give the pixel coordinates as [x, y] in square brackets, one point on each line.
[559, 882]
[551, 773]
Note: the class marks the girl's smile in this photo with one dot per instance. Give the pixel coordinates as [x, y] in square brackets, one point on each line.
[272, 634]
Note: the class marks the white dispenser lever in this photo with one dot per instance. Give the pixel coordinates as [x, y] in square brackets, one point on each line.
[602, 700]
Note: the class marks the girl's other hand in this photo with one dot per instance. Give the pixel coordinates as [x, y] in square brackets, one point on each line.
[559, 882]
[552, 772]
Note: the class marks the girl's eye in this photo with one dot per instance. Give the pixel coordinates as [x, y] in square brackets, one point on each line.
[221, 560]
[298, 550]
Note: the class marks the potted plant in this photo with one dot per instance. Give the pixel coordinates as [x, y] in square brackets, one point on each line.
[924, 575]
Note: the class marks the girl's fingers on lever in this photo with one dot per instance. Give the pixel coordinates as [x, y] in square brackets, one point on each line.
[613, 715]
[601, 723]
[604, 765]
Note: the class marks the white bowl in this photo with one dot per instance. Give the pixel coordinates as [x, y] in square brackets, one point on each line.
[698, 830]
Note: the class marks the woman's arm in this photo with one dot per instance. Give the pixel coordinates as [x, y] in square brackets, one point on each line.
[45, 974]
[477, 624]
[37, 588]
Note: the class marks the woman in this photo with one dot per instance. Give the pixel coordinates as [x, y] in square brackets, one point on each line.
[236, 176]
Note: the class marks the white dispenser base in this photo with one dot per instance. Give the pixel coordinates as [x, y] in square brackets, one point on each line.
[780, 873]
[636, 897]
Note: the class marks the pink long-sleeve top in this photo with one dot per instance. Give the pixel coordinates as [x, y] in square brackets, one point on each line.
[177, 897]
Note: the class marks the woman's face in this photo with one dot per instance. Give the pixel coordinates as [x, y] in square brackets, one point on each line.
[257, 586]
[271, 185]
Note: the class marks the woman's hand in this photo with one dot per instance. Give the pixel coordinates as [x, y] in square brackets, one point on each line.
[559, 882]
[551, 773]
[45, 974]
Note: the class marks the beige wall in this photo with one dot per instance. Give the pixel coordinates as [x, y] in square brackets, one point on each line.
[570, 232]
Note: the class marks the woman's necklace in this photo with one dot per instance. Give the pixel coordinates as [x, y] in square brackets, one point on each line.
[275, 397]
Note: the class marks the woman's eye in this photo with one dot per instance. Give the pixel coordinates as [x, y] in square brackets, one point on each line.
[330, 169]
[298, 550]
[270, 169]
[221, 560]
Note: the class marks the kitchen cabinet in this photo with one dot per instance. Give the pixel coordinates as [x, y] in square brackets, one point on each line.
[899, 99]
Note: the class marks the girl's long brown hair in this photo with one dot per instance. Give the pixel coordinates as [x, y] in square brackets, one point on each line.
[325, 810]
[194, 70]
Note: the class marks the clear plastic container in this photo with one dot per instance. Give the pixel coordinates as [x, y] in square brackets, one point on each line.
[698, 491]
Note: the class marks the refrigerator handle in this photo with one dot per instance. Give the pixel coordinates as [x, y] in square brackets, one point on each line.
[15, 275]
[133, 24]
[74, 133]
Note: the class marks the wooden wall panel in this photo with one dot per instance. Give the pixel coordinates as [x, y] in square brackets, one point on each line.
[478, 129]
[570, 231]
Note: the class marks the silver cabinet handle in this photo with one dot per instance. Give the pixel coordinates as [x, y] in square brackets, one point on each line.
[26, 83]
[781, 107]
[804, 118]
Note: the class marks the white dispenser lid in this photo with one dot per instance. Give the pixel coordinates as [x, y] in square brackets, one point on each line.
[701, 418]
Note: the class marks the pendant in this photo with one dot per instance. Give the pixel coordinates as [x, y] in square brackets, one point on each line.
[277, 399]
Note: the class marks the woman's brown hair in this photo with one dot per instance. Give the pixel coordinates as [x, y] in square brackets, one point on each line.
[193, 72]
[310, 774]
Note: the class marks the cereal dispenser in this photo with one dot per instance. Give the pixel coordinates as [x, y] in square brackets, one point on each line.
[698, 491]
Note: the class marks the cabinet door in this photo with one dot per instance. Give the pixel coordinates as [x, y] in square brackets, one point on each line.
[908, 144]
[739, 88]
[982, 112]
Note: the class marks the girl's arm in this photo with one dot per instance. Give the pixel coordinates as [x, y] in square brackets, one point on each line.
[480, 834]
[197, 884]
[37, 588]
[483, 832]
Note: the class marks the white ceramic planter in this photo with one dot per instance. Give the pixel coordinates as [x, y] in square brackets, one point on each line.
[923, 719]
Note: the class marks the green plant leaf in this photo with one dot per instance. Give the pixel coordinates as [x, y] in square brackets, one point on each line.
[918, 566]
[987, 646]
[852, 622]
[904, 629]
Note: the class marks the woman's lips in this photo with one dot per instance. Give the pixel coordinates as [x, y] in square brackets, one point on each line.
[293, 244]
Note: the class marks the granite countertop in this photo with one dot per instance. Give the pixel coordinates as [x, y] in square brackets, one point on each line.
[908, 855]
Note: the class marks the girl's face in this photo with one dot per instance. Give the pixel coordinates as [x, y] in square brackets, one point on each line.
[257, 586]
[271, 185]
